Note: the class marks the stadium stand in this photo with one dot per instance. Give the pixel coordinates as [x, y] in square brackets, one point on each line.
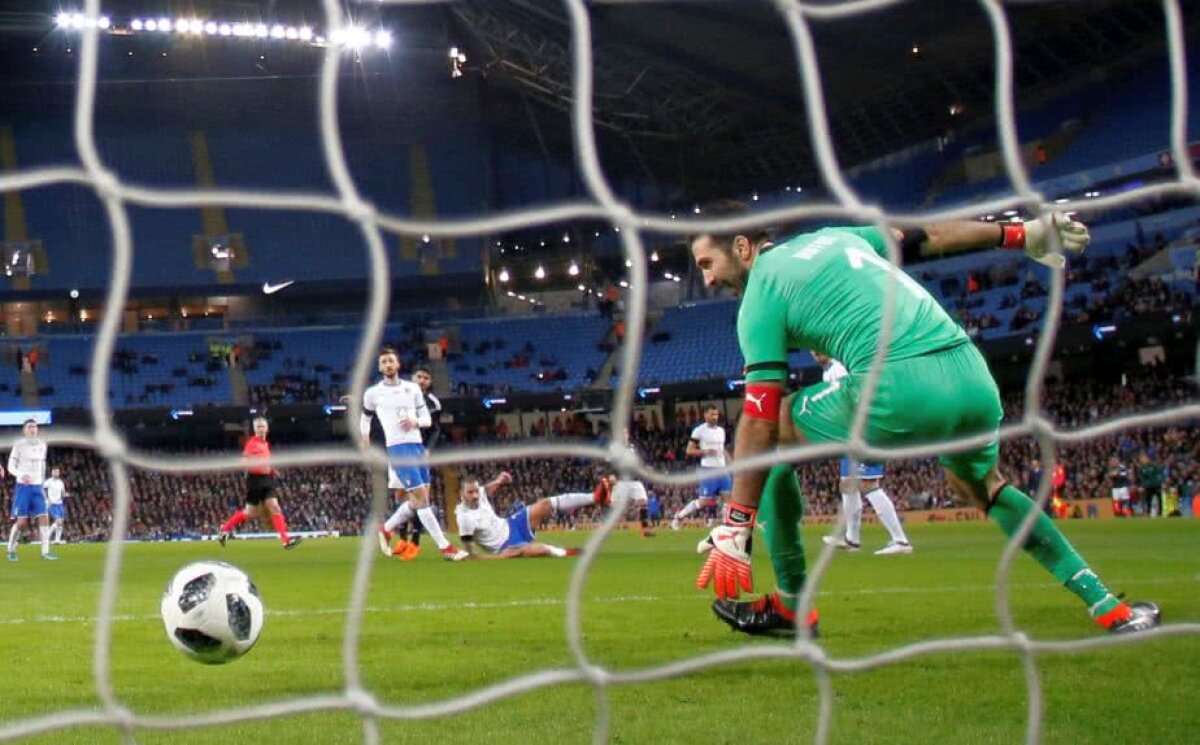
[335, 498]
[533, 353]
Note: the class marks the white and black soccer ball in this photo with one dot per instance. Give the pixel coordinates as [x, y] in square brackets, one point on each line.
[212, 612]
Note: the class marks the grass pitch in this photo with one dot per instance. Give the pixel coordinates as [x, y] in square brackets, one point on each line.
[435, 631]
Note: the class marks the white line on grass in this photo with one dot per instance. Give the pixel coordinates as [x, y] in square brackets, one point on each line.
[536, 602]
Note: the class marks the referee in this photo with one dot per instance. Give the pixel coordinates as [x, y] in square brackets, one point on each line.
[261, 488]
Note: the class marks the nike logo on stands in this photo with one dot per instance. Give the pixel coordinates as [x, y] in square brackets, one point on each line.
[270, 289]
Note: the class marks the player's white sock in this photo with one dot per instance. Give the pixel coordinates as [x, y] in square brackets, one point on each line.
[429, 521]
[852, 508]
[55, 532]
[688, 510]
[403, 514]
[12, 539]
[886, 511]
[555, 551]
[563, 503]
[44, 532]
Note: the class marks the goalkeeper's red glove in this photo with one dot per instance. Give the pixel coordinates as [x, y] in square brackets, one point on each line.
[728, 564]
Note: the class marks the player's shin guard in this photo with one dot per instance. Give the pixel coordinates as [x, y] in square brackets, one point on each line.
[279, 522]
[780, 512]
[403, 514]
[852, 509]
[885, 510]
[688, 510]
[564, 503]
[234, 520]
[430, 522]
[1052, 550]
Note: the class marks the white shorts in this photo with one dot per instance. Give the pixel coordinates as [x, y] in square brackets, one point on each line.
[633, 491]
[1120, 494]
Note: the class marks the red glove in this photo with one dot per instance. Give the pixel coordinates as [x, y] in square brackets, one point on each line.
[728, 564]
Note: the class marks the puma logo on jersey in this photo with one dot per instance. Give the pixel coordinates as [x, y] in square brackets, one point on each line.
[756, 400]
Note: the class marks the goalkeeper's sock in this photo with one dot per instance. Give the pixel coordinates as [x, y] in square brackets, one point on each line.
[1050, 548]
[780, 513]
[279, 522]
[429, 521]
[234, 520]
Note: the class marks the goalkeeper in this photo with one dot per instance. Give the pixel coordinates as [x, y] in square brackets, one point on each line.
[826, 291]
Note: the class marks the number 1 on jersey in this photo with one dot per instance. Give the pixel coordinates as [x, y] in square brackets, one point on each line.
[856, 256]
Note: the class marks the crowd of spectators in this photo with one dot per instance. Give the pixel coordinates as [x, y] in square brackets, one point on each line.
[337, 498]
[1114, 295]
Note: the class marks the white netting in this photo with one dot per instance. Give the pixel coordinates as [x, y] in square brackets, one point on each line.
[117, 194]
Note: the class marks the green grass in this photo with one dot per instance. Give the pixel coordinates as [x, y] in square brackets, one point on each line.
[436, 630]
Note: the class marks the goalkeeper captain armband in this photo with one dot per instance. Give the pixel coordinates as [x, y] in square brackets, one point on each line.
[762, 401]
[1012, 236]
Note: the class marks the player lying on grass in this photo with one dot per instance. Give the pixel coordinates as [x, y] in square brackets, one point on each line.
[826, 291]
[513, 538]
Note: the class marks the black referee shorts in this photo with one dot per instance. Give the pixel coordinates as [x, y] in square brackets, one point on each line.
[259, 488]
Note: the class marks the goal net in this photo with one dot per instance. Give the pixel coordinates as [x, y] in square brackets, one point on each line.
[602, 203]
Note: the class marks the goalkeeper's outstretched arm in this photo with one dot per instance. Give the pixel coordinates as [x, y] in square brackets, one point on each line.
[1032, 237]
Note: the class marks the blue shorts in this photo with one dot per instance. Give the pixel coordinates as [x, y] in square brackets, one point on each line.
[714, 486]
[407, 477]
[58, 511]
[519, 532]
[28, 501]
[865, 470]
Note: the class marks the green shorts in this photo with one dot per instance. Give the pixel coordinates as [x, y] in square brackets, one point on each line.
[939, 396]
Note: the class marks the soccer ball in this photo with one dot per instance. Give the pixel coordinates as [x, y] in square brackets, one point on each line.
[212, 612]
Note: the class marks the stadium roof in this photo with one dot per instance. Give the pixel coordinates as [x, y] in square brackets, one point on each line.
[718, 82]
[705, 96]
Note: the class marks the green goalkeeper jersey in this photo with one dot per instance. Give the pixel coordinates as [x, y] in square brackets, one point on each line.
[825, 291]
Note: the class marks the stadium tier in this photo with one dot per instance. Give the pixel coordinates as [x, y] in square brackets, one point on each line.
[994, 294]
[530, 354]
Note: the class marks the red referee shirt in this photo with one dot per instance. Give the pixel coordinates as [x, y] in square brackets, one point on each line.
[259, 452]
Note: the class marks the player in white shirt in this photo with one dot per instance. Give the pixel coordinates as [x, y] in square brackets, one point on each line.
[513, 537]
[863, 481]
[56, 491]
[27, 465]
[400, 406]
[708, 444]
[629, 492]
